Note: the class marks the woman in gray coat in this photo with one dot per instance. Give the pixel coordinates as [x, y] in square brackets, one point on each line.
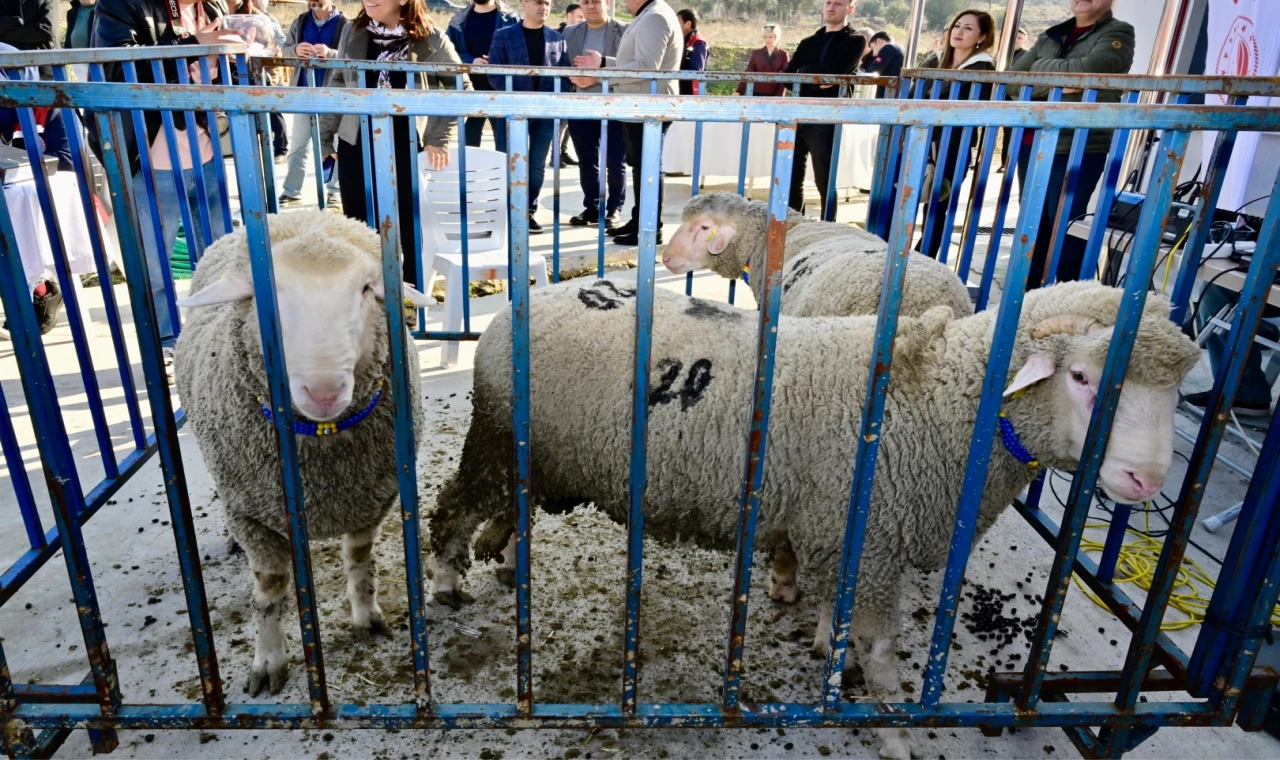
[388, 31]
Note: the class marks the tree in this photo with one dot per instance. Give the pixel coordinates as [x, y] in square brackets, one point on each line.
[938, 13]
[871, 8]
[896, 12]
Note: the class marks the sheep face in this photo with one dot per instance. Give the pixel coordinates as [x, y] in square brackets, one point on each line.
[329, 306]
[1066, 375]
[700, 237]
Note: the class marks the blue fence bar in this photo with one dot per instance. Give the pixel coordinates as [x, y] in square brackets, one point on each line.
[1141, 264]
[761, 400]
[978, 195]
[1002, 207]
[650, 175]
[993, 385]
[916, 148]
[1115, 541]
[1061, 222]
[249, 160]
[518, 209]
[1106, 198]
[390, 229]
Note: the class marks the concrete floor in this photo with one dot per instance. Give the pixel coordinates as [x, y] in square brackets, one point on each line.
[578, 569]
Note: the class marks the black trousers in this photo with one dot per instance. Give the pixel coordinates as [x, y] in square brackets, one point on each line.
[351, 179]
[813, 142]
[633, 138]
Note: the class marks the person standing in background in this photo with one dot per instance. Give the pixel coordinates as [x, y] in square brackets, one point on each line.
[471, 31]
[273, 76]
[769, 59]
[650, 43]
[313, 34]
[1019, 44]
[1093, 41]
[834, 49]
[601, 34]
[572, 15]
[887, 58]
[147, 23]
[1006, 134]
[79, 31]
[30, 25]
[696, 49]
[532, 43]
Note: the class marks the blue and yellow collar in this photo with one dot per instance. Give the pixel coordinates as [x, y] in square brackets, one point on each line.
[320, 429]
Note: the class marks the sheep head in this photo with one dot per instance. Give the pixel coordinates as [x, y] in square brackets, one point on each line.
[1065, 335]
[329, 290]
[710, 224]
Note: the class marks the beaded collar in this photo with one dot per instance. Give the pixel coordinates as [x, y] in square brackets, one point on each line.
[746, 272]
[1013, 444]
[320, 429]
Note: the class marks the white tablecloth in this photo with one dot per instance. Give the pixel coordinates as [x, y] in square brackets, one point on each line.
[722, 150]
[29, 226]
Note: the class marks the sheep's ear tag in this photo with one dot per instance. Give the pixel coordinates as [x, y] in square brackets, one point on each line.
[1038, 367]
[719, 239]
[225, 290]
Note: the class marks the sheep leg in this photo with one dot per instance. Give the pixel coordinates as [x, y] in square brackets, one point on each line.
[362, 583]
[268, 555]
[507, 570]
[782, 576]
[873, 631]
[498, 541]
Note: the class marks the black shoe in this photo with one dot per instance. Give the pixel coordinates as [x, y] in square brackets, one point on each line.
[568, 160]
[633, 238]
[290, 200]
[534, 227]
[630, 228]
[47, 307]
[585, 219]
[613, 223]
[1241, 408]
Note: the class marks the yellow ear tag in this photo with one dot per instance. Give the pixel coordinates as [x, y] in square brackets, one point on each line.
[713, 233]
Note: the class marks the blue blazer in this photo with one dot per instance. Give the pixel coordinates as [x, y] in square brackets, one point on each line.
[508, 49]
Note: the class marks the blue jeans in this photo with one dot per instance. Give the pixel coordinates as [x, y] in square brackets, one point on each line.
[299, 154]
[1092, 167]
[1253, 384]
[586, 143]
[168, 198]
[541, 132]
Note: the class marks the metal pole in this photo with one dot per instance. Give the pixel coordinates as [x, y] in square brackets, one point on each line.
[1009, 34]
[914, 24]
[1173, 25]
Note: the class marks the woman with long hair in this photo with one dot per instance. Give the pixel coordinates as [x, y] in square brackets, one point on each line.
[967, 45]
[390, 31]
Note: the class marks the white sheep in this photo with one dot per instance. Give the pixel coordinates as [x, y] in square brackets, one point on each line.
[581, 363]
[829, 269]
[329, 288]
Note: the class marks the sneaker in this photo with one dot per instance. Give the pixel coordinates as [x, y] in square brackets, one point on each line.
[333, 200]
[568, 160]
[633, 238]
[166, 353]
[1241, 408]
[586, 219]
[47, 307]
[280, 159]
[613, 223]
[534, 227]
[290, 200]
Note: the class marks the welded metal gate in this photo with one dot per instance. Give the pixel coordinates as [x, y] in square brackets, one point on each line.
[1219, 676]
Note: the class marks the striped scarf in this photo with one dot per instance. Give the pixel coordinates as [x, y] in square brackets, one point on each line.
[392, 45]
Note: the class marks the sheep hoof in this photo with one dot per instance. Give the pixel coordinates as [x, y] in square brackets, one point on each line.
[265, 676]
[506, 576]
[784, 593]
[454, 598]
[377, 627]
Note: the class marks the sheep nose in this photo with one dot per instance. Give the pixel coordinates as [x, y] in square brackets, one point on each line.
[325, 398]
[1143, 484]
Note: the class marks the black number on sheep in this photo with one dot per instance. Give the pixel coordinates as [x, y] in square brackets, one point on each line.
[695, 383]
[594, 297]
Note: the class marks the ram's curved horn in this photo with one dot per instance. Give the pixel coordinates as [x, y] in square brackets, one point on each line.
[1070, 324]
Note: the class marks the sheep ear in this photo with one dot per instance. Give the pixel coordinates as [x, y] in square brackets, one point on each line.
[721, 239]
[226, 290]
[1037, 368]
[410, 293]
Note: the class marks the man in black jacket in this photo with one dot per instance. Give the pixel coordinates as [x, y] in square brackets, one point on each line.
[834, 49]
[30, 25]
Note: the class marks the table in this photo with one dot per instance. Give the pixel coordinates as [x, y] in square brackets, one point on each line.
[722, 151]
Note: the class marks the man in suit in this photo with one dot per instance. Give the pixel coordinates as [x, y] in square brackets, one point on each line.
[652, 42]
[834, 49]
[532, 43]
[471, 31]
[601, 34]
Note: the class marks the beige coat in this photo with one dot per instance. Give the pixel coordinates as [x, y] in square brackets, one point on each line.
[653, 42]
[436, 131]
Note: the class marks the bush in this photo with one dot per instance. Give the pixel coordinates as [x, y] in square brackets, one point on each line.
[871, 8]
[896, 12]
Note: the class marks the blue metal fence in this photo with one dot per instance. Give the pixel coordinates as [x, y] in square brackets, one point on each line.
[1220, 677]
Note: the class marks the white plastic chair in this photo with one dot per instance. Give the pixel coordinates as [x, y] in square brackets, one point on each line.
[439, 210]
